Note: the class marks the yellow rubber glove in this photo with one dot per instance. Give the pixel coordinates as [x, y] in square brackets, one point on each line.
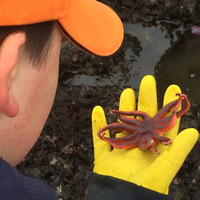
[143, 168]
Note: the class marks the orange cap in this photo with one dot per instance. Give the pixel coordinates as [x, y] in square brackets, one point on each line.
[91, 25]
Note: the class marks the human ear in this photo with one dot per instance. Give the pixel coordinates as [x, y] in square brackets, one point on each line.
[9, 50]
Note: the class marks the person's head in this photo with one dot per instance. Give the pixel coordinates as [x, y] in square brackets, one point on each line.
[30, 39]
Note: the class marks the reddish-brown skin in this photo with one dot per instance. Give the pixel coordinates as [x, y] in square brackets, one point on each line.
[145, 132]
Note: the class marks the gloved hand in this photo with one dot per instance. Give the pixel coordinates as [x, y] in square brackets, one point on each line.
[143, 168]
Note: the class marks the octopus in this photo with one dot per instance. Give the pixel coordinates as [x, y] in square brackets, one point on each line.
[142, 130]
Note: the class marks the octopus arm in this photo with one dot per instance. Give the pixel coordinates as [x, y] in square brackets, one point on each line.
[129, 120]
[121, 145]
[141, 114]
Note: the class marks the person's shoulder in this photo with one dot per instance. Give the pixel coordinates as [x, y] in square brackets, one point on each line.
[18, 186]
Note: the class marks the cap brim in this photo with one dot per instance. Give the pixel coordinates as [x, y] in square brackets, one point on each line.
[92, 26]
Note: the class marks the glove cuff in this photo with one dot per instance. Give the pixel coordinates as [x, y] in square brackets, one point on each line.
[106, 187]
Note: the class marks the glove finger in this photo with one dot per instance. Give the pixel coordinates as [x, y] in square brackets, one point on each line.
[127, 100]
[126, 103]
[99, 121]
[147, 102]
[164, 168]
[170, 95]
[147, 99]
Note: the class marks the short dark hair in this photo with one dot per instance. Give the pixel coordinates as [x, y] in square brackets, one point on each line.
[38, 39]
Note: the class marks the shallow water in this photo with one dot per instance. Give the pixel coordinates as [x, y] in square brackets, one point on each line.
[171, 55]
[166, 50]
[153, 43]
